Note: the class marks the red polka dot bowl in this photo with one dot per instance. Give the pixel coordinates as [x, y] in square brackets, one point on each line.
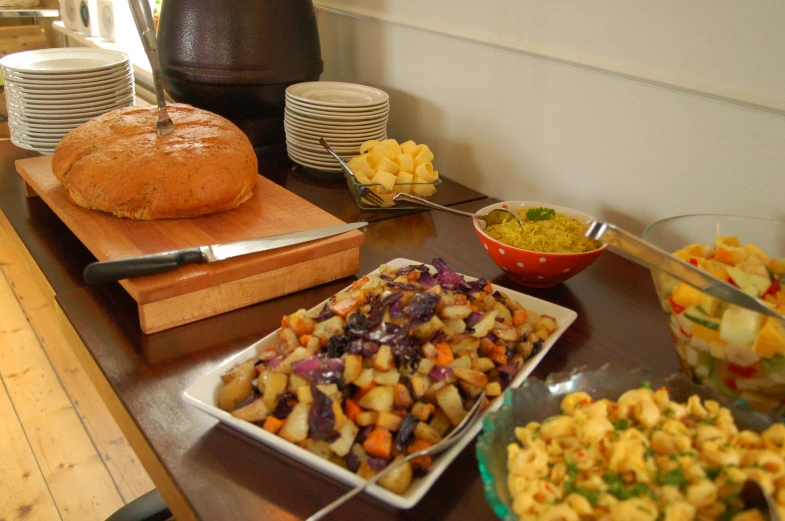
[531, 268]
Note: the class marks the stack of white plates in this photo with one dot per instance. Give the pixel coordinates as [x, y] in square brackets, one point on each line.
[50, 92]
[344, 114]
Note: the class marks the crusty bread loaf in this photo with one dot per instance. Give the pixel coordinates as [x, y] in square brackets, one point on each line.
[117, 163]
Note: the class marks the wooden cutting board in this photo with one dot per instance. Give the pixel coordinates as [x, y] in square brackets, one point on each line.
[195, 292]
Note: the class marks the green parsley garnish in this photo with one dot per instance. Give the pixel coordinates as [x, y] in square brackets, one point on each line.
[672, 477]
[570, 487]
[645, 384]
[649, 453]
[621, 425]
[540, 214]
[709, 421]
[713, 472]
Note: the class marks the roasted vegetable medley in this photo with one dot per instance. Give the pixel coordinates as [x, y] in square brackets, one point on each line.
[386, 367]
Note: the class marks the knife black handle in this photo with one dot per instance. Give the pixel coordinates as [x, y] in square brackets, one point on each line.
[112, 271]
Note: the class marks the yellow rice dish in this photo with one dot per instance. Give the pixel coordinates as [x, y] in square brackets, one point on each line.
[543, 230]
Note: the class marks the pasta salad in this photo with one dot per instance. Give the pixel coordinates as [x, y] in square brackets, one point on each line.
[641, 458]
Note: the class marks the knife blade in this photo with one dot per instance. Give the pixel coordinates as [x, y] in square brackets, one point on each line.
[662, 260]
[111, 271]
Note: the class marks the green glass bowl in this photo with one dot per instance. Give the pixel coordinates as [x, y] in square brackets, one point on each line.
[536, 400]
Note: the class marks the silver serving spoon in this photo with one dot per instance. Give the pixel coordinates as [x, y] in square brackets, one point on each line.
[143, 16]
[658, 259]
[753, 496]
[456, 434]
[497, 216]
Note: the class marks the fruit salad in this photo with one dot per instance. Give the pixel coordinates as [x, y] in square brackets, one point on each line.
[733, 350]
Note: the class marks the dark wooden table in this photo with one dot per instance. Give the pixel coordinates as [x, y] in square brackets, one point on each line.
[219, 476]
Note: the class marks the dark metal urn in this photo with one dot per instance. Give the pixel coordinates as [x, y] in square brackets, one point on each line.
[236, 58]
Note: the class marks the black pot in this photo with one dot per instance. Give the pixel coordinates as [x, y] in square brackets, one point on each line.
[236, 58]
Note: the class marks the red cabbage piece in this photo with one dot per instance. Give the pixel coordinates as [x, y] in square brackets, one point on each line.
[320, 370]
[448, 278]
[537, 346]
[493, 338]
[439, 373]
[286, 402]
[352, 461]
[499, 297]
[408, 269]
[337, 346]
[325, 313]
[422, 306]
[363, 434]
[396, 310]
[472, 319]
[274, 362]
[389, 333]
[405, 354]
[476, 285]
[426, 280]
[356, 325]
[406, 432]
[506, 373]
[321, 418]
[362, 347]
[378, 463]
[376, 315]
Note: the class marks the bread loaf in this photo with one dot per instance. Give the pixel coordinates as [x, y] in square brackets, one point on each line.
[117, 163]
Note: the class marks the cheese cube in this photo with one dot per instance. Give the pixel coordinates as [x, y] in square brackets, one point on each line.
[403, 184]
[386, 179]
[389, 165]
[408, 147]
[393, 146]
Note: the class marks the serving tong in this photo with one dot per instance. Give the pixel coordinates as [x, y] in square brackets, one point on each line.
[366, 195]
[143, 16]
[659, 259]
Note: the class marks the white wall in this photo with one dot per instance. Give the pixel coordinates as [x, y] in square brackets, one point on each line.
[629, 110]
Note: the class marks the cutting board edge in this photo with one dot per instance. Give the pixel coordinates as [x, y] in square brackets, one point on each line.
[177, 311]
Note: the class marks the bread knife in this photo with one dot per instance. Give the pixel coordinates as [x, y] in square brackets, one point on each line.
[111, 271]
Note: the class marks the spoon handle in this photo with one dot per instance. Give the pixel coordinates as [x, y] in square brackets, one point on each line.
[429, 204]
[143, 17]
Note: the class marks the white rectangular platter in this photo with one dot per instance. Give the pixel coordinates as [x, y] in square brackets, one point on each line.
[203, 394]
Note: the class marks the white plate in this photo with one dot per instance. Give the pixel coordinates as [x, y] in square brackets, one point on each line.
[63, 60]
[334, 110]
[75, 111]
[50, 119]
[329, 118]
[125, 84]
[34, 133]
[43, 126]
[44, 150]
[321, 164]
[315, 157]
[314, 146]
[66, 101]
[361, 135]
[336, 94]
[61, 82]
[313, 137]
[360, 125]
[306, 163]
[204, 392]
[105, 93]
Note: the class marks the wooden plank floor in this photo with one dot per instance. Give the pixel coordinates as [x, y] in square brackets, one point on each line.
[62, 456]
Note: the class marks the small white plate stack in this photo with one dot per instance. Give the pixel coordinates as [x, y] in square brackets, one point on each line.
[344, 114]
[50, 92]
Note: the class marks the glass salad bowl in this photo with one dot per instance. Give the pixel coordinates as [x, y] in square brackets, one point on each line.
[736, 352]
[536, 400]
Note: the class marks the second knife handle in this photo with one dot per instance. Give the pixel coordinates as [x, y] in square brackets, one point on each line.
[111, 271]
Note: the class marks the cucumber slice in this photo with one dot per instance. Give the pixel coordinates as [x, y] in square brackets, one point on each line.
[697, 315]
